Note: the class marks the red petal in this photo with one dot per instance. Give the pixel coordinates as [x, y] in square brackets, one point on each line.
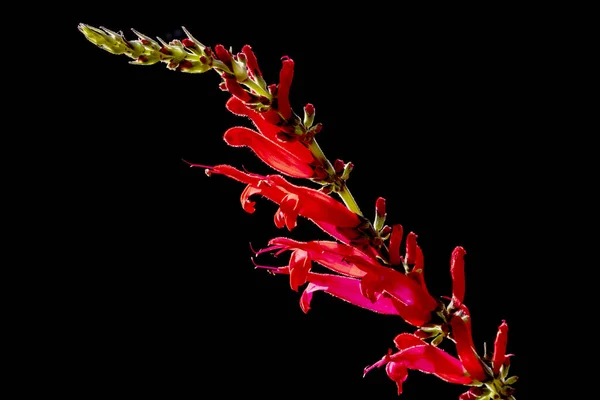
[269, 152]
[406, 340]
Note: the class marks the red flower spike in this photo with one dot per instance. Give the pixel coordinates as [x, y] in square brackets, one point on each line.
[251, 62]
[461, 332]
[271, 153]
[394, 249]
[411, 248]
[283, 90]
[500, 347]
[457, 270]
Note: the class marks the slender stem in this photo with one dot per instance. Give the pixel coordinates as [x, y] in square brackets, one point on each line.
[344, 191]
[348, 199]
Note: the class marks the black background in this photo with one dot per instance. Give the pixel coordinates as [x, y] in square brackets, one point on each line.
[438, 114]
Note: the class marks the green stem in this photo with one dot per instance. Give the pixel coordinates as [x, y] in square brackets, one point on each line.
[343, 191]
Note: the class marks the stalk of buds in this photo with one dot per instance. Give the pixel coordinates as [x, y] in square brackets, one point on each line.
[366, 264]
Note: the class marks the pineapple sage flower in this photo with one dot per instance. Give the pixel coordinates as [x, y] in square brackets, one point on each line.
[358, 278]
[324, 211]
[289, 157]
[486, 381]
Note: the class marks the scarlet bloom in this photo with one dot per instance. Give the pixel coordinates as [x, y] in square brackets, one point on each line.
[414, 353]
[468, 369]
[324, 211]
[290, 158]
[360, 279]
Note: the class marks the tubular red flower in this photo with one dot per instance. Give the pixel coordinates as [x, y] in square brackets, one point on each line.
[461, 332]
[283, 90]
[271, 153]
[417, 354]
[500, 347]
[324, 211]
[457, 270]
[269, 129]
[407, 297]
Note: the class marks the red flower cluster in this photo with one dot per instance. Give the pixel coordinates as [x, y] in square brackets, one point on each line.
[365, 263]
[364, 260]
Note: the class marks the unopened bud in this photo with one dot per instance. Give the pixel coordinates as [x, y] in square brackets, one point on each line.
[347, 169]
[309, 115]
[385, 231]
[380, 213]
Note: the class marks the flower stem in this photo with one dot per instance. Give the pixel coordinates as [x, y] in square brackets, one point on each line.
[343, 190]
